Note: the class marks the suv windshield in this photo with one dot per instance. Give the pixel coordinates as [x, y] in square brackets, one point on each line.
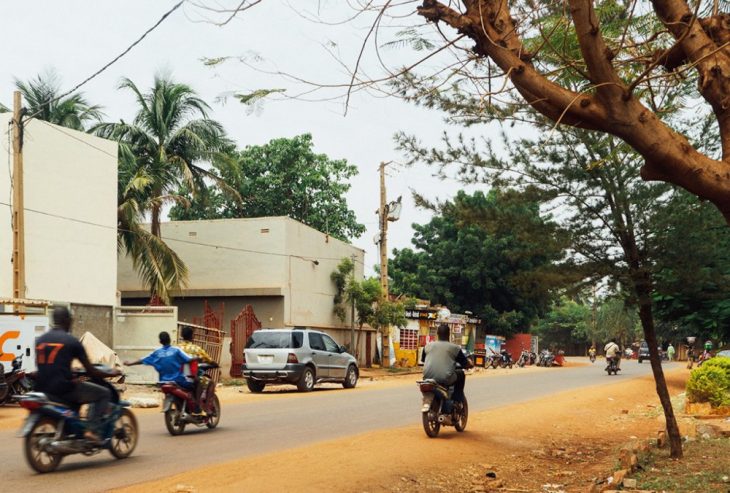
[274, 340]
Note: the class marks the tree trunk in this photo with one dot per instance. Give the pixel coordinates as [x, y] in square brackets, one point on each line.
[642, 286]
[155, 226]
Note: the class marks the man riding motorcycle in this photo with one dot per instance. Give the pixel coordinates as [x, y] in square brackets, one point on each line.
[192, 349]
[612, 352]
[440, 358]
[55, 350]
[168, 361]
[592, 353]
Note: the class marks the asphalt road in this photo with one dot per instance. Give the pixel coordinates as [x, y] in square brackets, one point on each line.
[279, 422]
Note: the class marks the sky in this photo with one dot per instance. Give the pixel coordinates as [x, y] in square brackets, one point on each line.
[76, 38]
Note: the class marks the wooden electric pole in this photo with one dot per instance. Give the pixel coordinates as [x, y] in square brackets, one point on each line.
[18, 202]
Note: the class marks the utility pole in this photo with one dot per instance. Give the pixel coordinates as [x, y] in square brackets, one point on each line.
[18, 212]
[353, 349]
[383, 213]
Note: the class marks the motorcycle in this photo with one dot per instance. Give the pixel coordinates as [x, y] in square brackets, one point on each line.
[505, 359]
[703, 357]
[493, 360]
[546, 358]
[178, 401]
[17, 382]
[439, 409]
[613, 366]
[54, 429]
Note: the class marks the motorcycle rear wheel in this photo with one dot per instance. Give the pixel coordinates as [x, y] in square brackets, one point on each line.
[431, 425]
[216, 417]
[173, 420]
[125, 435]
[460, 424]
[38, 459]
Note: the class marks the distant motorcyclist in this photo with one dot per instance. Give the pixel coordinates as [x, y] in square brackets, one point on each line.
[55, 350]
[440, 359]
[592, 353]
[612, 351]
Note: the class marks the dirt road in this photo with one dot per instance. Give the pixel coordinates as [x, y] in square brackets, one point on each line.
[368, 459]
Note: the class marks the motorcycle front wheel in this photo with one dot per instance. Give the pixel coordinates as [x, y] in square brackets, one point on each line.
[124, 436]
[460, 424]
[173, 419]
[431, 423]
[216, 413]
[40, 460]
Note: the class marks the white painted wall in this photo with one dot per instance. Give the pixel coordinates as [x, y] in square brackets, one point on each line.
[70, 220]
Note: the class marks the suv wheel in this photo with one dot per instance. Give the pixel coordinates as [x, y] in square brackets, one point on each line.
[306, 382]
[255, 386]
[350, 378]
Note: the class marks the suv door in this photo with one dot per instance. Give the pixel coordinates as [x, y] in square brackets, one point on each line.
[338, 361]
[320, 355]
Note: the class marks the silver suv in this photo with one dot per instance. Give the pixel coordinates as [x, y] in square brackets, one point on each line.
[297, 356]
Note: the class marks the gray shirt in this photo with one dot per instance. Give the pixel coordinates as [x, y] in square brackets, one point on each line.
[440, 361]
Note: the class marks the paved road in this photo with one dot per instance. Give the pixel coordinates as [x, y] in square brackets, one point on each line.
[279, 422]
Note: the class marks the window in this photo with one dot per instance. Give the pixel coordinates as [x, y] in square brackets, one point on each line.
[272, 340]
[408, 338]
[316, 342]
[331, 345]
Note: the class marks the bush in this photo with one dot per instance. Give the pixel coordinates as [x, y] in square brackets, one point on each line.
[711, 383]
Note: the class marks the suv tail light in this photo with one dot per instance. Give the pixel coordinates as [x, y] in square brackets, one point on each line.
[292, 358]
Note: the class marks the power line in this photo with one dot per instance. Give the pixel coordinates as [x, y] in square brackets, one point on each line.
[112, 62]
[166, 238]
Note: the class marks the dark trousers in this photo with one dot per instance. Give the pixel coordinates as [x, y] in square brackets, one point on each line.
[459, 386]
[96, 396]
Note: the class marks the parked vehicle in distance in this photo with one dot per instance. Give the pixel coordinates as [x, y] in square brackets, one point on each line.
[15, 383]
[723, 354]
[298, 356]
[643, 351]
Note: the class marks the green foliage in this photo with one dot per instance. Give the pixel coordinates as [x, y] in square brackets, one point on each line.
[41, 100]
[169, 137]
[284, 177]
[489, 254]
[692, 279]
[367, 297]
[711, 382]
[567, 322]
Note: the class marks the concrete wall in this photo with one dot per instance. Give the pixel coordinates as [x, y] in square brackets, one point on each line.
[71, 215]
[135, 335]
[313, 256]
[99, 320]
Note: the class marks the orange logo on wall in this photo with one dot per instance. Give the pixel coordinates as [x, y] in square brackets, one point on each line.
[11, 334]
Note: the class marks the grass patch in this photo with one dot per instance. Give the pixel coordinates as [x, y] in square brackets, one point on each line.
[233, 382]
[705, 465]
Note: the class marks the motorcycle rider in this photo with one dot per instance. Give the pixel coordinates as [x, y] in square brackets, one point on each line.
[168, 361]
[55, 350]
[592, 353]
[440, 358]
[192, 349]
[612, 352]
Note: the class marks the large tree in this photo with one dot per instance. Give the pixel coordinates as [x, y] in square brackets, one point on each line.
[284, 177]
[171, 138]
[489, 254]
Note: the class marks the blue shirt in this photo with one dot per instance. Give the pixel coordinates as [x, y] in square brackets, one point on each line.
[168, 361]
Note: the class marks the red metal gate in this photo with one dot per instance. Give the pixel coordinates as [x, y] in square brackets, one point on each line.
[241, 329]
[207, 333]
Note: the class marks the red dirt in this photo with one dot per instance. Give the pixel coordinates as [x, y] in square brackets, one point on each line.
[565, 440]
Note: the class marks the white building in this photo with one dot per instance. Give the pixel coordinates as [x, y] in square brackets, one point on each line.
[70, 193]
[277, 265]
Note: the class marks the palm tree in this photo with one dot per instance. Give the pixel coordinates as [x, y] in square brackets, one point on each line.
[159, 267]
[170, 134]
[41, 95]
